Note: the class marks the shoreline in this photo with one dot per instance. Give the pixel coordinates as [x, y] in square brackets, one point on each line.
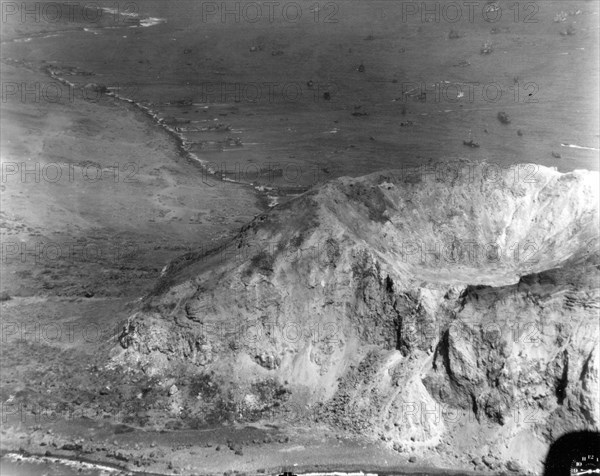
[349, 469]
[263, 198]
[261, 192]
[81, 463]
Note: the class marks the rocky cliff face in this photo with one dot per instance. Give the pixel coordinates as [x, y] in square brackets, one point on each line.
[449, 308]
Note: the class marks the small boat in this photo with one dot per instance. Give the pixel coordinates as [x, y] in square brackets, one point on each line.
[470, 143]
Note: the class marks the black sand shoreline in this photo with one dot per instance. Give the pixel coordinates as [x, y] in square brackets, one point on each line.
[150, 115]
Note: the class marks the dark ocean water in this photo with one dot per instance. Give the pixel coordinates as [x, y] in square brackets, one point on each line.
[205, 72]
[203, 69]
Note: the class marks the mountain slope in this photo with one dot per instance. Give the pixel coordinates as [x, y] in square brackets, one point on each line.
[420, 308]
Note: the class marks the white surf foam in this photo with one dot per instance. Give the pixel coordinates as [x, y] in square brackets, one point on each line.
[143, 22]
[338, 473]
[147, 22]
[575, 146]
[78, 465]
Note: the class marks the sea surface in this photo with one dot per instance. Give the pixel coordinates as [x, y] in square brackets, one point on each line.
[243, 92]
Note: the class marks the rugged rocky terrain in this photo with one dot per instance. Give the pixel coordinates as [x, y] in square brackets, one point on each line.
[450, 307]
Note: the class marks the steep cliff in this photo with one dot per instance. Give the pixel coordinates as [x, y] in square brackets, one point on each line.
[453, 308]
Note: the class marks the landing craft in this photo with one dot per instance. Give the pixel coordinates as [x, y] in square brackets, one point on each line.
[470, 143]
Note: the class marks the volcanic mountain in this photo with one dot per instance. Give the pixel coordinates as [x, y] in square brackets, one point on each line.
[420, 307]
